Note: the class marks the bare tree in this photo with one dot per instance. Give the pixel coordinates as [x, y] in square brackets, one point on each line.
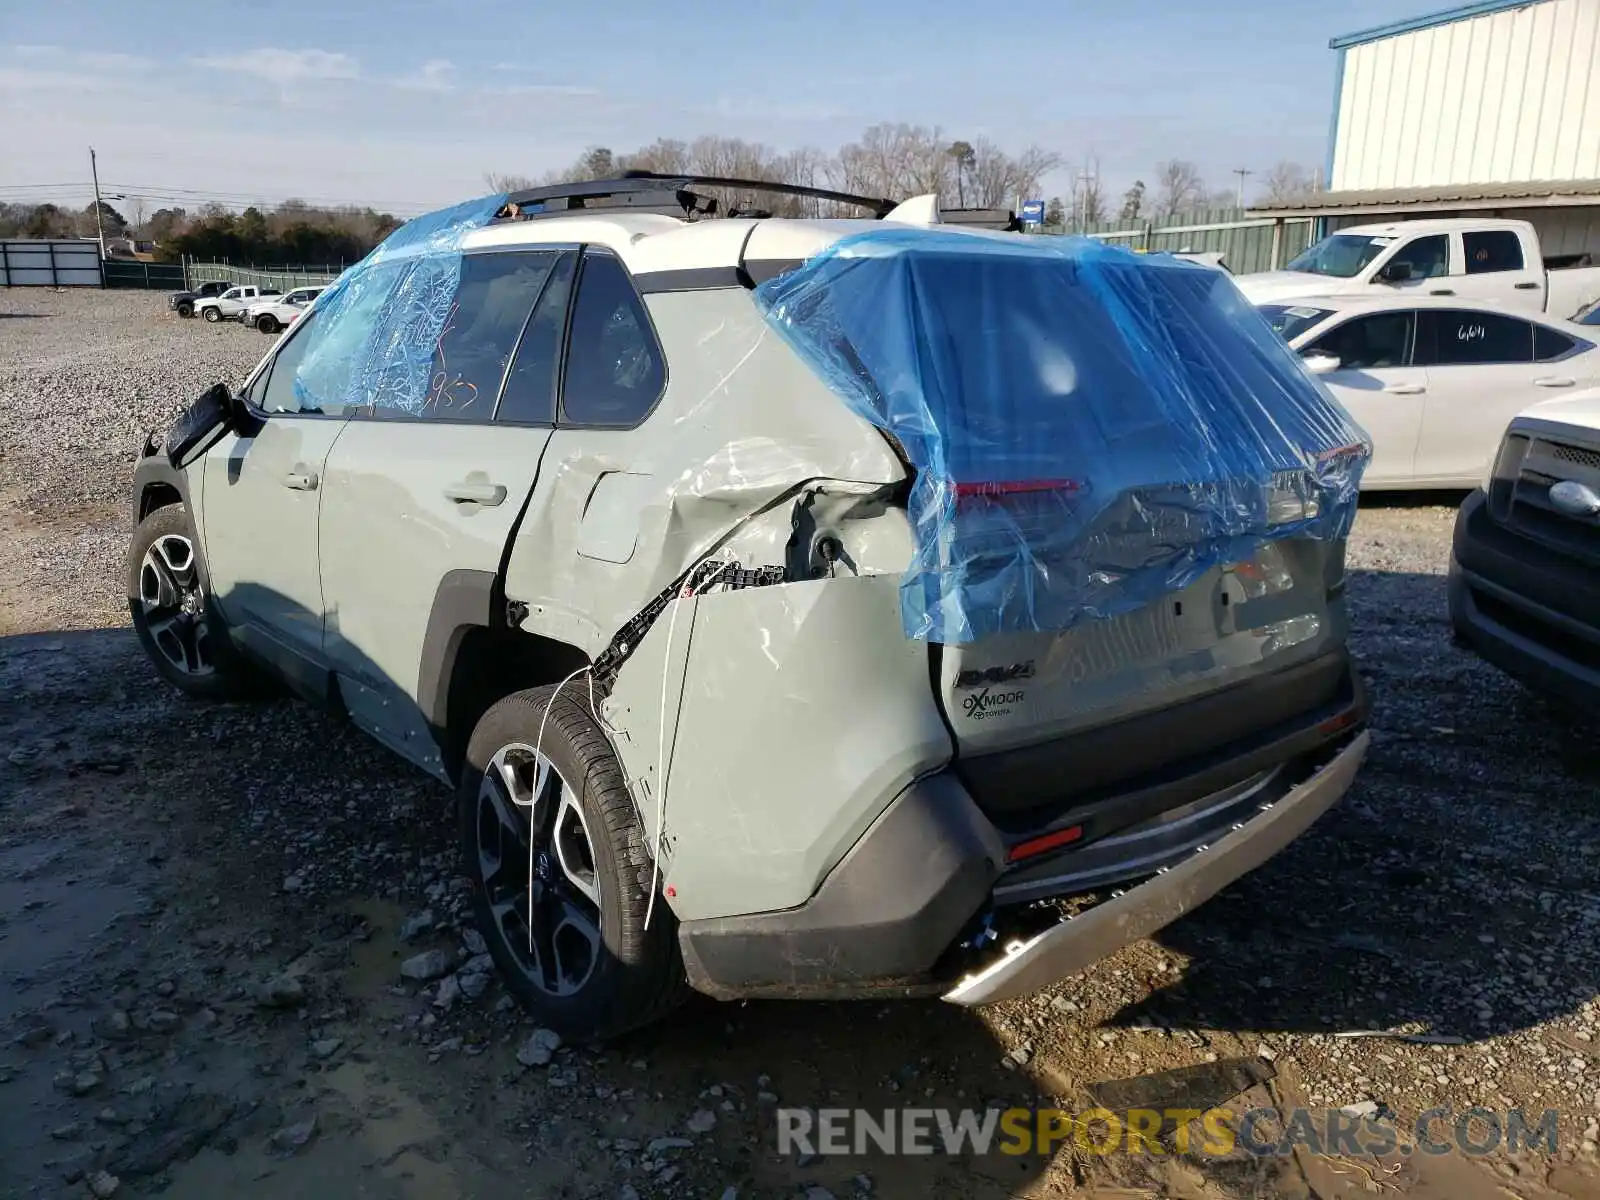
[507, 183]
[1289, 181]
[1179, 187]
[664, 155]
[895, 161]
[997, 178]
[1132, 202]
[962, 154]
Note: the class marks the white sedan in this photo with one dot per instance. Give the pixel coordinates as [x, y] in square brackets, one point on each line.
[1434, 382]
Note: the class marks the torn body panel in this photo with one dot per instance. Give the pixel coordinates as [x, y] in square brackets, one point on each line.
[762, 800]
[616, 516]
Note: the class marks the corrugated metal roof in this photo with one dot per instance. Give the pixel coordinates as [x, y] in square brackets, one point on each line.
[1461, 12]
[1376, 201]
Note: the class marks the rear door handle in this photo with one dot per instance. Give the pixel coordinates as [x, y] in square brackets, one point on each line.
[1527, 287]
[1405, 389]
[301, 480]
[486, 494]
[1441, 292]
[1554, 381]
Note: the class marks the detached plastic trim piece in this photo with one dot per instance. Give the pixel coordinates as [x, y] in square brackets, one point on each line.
[1091, 429]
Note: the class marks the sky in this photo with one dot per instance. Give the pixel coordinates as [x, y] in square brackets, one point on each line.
[405, 106]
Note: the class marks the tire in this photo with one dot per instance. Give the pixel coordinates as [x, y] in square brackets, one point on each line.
[213, 314]
[616, 975]
[267, 323]
[185, 309]
[172, 614]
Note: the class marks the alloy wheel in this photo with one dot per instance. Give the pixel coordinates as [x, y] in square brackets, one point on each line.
[173, 604]
[537, 867]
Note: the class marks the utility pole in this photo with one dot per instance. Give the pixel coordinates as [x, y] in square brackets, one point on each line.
[1084, 179]
[99, 225]
[1241, 172]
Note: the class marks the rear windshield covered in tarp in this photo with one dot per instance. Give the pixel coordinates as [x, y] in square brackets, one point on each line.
[1091, 428]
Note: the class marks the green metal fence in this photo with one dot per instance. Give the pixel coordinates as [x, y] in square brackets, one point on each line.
[164, 277]
[283, 278]
[1246, 243]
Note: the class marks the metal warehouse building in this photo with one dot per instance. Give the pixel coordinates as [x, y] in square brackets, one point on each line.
[1492, 108]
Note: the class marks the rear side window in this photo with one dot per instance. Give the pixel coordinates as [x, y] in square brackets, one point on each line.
[615, 368]
[529, 397]
[1492, 250]
[1456, 337]
[1369, 343]
[495, 297]
[1549, 344]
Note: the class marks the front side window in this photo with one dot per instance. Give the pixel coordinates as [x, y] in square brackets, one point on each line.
[1450, 337]
[277, 391]
[615, 369]
[1369, 343]
[231, 294]
[1492, 250]
[1428, 257]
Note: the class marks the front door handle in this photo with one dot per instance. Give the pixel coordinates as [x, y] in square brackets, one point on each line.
[1405, 389]
[301, 480]
[1554, 381]
[486, 494]
[1441, 292]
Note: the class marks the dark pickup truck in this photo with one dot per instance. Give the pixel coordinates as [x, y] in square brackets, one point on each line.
[182, 303]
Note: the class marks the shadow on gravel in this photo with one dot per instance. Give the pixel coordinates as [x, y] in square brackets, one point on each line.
[5, 316]
[1456, 889]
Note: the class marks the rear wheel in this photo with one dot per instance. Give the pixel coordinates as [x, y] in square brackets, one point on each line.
[560, 870]
[171, 615]
[213, 314]
[267, 323]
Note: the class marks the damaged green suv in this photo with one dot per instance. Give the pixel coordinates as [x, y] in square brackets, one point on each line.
[798, 607]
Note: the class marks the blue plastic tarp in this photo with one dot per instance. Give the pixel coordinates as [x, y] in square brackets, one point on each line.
[378, 325]
[1090, 428]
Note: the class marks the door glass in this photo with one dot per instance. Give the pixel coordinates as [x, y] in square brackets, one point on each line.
[1368, 343]
[1492, 250]
[615, 371]
[1429, 256]
[1548, 344]
[529, 397]
[496, 293]
[1459, 336]
[281, 395]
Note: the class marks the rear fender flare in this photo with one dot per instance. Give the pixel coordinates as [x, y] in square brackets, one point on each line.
[464, 600]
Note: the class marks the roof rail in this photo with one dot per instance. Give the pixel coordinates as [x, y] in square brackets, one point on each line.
[652, 191]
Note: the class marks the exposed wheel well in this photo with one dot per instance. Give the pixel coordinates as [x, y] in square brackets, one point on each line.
[157, 495]
[491, 663]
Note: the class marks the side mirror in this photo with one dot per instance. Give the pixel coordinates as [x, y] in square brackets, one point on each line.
[1395, 272]
[212, 413]
[1321, 364]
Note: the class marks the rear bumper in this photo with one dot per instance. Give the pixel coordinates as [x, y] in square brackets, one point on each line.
[908, 909]
[1084, 940]
[1525, 608]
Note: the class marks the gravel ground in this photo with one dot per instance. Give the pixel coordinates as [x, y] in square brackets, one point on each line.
[205, 912]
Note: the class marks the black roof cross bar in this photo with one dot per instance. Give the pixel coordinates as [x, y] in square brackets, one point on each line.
[657, 192]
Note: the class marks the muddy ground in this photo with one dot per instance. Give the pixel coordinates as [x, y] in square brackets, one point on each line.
[202, 908]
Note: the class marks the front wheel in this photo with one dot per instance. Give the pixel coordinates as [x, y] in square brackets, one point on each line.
[267, 323]
[213, 314]
[561, 872]
[185, 309]
[171, 616]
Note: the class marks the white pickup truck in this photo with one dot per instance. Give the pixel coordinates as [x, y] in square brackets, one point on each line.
[229, 305]
[1477, 260]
